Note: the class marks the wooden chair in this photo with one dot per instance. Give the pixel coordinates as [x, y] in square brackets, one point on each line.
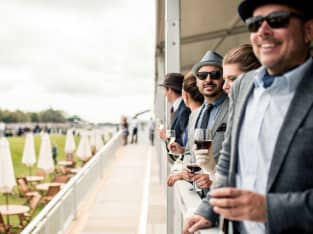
[40, 172]
[26, 217]
[61, 178]
[52, 191]
[24, 189]
[72, 165]
[4, 228]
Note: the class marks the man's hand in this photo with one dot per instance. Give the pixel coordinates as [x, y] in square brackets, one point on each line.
[162, 133]
[185, 174]
[202, 180]
[237, 204]
[194, 223]
[173, 178]
[205, 160]
[176, 148]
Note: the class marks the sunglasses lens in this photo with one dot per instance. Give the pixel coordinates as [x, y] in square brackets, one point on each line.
[279, 20]
[214, 75]
[202, 75]
[254, 23]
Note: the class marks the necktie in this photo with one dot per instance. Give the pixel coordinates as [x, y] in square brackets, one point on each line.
[267, 80]
[206, 116]
[172, 115]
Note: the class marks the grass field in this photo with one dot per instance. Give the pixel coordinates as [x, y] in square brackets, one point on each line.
[17, 147]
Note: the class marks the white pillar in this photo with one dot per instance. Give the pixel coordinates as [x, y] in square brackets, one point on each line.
[172, 36]
[172, 64]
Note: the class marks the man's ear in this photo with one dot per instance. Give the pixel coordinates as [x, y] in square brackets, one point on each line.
[308, 31]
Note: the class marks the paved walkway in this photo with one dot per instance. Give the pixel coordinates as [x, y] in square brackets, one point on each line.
[129, 199]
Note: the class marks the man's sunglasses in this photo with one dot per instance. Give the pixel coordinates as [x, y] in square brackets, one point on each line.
[214, 75]
[277, 19]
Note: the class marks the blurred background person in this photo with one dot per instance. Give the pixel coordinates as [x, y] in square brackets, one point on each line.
[125, 131]
[151, 131]
[134, 134]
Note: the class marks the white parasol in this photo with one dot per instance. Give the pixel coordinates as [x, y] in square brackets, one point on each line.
[7, 177]
[45, 160]
[99, 141]
[83, 150]
[69, 142]
[92, 138]
[29, 155]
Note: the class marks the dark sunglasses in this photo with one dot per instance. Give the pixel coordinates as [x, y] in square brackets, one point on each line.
[277, 19]
[214, 75]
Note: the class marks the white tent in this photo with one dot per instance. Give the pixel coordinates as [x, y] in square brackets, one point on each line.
[45, 160]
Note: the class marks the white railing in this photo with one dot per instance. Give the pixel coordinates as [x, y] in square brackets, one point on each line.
[58, 214]
[183, 203]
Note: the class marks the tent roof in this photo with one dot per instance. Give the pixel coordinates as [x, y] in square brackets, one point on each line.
[205, 24]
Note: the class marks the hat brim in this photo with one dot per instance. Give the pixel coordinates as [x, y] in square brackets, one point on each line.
[197, 66]
[246, 8]
[170, 86]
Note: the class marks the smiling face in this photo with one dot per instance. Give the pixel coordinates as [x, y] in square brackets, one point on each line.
[282, 48]
[211, 89]
[230, 74]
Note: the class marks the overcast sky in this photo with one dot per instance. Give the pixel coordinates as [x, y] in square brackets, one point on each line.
[93, 58]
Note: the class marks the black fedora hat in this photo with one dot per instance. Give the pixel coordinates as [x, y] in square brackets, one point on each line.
[246, 7]
[173, 81]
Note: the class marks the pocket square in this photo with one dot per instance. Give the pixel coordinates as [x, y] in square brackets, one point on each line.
[221, 128]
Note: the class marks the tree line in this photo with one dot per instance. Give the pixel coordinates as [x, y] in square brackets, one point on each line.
[46, 116]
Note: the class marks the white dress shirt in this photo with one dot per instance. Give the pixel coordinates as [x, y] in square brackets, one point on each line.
[265, 112]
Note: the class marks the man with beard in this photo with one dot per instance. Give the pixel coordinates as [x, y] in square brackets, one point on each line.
[263, 176]
[212, 114]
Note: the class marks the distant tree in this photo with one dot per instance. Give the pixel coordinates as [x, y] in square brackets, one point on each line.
[53, 116]
[34, 117]
[50, 115]
[74, 119]
[21, 116]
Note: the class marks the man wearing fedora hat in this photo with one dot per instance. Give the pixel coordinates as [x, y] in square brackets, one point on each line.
[179, 113]
[262, 180]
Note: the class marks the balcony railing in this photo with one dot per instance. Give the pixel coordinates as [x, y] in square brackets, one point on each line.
[182, 202]
[58, 214]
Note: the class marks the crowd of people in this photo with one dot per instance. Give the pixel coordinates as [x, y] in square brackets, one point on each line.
[257, 102]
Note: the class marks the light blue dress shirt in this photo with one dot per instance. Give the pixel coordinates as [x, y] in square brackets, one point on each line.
[264, 115]
[214, 112]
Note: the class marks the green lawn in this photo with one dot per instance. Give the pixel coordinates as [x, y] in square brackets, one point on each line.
[17, 147]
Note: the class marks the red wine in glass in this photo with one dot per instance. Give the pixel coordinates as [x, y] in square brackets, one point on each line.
[204, 144]
[194, 168]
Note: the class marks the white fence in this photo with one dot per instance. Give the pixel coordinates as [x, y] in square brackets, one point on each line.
[184, 202]
[58, 214]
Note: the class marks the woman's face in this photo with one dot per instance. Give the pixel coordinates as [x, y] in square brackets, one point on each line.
[230, 74]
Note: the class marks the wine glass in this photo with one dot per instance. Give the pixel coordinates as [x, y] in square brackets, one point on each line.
[202, 138]
[170, 136]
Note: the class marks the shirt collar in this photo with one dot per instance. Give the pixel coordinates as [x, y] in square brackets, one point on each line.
[218, 101]
[289, 80]
[176, 103]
